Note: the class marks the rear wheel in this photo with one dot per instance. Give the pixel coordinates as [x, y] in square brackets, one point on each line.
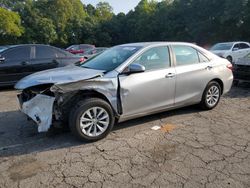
[211, 96]
[91, 119]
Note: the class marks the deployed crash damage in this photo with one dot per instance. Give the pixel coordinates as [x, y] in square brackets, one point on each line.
[40, 109]
[47, 96]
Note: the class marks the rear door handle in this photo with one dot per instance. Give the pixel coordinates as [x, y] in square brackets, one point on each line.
[170, 75]
[55, 61]
[25, 63]
[209, 67]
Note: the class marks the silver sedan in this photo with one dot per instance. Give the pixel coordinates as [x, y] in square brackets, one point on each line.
[122, 83]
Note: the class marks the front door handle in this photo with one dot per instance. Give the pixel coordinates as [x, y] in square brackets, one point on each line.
[170, 75]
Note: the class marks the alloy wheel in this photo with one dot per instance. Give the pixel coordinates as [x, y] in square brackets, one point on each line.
[94, 121]
[213, 95]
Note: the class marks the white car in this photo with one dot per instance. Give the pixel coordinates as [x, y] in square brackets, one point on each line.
[231, 50]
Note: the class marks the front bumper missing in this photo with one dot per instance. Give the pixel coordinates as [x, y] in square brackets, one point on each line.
[40, 110]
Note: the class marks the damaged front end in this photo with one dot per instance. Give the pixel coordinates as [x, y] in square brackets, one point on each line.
[50, 104]
[37, 103]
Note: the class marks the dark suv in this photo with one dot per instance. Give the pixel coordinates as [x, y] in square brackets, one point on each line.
[19, 61]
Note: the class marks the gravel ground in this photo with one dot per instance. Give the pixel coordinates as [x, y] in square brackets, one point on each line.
[193, 149]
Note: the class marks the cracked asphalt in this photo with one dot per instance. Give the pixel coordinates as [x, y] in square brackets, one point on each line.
[194, 149]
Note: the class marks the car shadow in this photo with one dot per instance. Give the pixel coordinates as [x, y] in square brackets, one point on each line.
[150, 118]
[18, 136]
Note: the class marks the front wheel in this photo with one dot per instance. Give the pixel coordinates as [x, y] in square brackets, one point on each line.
[91, 119]
[211, 96]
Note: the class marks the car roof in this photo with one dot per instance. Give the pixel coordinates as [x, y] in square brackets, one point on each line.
[146, 44]
[21, 45]
[233, 42]
[9, 47]
[18, 45]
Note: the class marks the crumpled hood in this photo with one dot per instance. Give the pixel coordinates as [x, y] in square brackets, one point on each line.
[62, 75]
[243, 61]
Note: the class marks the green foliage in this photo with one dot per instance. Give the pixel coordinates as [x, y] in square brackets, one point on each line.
[65, 22]
[10, 25]
[104, 11]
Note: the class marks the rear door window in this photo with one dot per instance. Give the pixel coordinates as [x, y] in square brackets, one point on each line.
[185, 55]
[244, 46]
[45, 52]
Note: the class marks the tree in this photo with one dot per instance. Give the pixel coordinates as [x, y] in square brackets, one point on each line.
[104, 11]
[140, 21]
[11, 4]
[10, 25]
[64, 22]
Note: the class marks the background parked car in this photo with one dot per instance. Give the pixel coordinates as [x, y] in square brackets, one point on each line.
[80, 48]
[242, 70]
[90, 53]
[231, 50]
[19, 61]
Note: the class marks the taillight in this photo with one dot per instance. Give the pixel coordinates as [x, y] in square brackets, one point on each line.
[230, 66]
[82, 59]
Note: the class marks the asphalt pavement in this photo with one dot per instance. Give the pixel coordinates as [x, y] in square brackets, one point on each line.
[194, 148]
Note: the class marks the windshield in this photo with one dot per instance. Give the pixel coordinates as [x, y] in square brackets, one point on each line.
[222, 46]
[111, 59]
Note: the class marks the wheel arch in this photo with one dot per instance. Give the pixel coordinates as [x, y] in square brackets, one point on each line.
[230, 57]
[220, 82]
[91, 93]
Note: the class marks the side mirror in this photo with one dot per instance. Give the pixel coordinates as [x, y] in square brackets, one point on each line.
[235, 49]
[134, 68]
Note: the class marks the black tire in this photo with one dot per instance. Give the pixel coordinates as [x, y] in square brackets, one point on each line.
[204, 103]
[78, 111]
[230, 59]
